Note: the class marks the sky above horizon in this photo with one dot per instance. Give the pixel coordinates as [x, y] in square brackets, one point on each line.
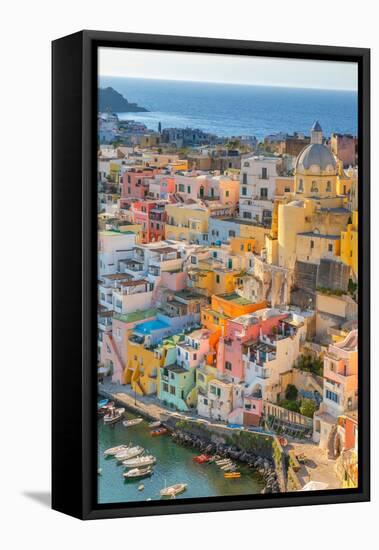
[231, 69]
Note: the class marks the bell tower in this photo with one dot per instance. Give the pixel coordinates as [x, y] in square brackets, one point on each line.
[316, 133]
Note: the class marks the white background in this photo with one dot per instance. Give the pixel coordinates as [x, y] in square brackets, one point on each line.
[27, 27]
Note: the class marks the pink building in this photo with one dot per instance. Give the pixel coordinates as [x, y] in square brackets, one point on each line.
[195, 185]
[343, 146]
[135, 182]
[151, 216]
[174, 280]
[238, 333]
[161, 186]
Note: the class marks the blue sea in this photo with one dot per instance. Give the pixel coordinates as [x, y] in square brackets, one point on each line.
[231, 110]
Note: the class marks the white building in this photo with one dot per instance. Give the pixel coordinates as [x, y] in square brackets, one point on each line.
[191, 352]
[272, 355]
[113, 246]
[132, 295]
[257, 187]
[218, 403]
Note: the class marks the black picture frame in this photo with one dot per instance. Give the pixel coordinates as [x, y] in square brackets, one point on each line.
[74, 295]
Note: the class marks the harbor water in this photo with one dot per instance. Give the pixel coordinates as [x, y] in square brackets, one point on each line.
[174, 464]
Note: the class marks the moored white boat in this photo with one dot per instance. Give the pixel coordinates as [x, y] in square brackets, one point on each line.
[138, 473]
[112, 451]
[139, 461]
[129, 453]
[114, 415]
[132, 422]
[173, 490]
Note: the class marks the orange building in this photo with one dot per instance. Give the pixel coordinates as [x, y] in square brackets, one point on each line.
[224, 307]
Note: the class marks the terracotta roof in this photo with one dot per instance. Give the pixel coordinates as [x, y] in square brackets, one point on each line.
[134, 282]
[117, 276]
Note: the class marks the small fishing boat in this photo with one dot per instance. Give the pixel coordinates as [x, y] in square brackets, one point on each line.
[232, 475]
[132, 422]
[114, 415]
[156, 424]
[112, 451]
[137, 473]
[173, 490]
[139, 461]
[141, 487]
[159, 431]
[130, 452]
[99, 471]
[201, 459]
[102, 403]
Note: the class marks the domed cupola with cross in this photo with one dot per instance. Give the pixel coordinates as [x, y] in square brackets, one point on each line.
[316, 168]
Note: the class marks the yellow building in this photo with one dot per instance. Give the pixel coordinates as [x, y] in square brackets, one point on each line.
[256, 232]
[211, 279]
[242, 245]
[186, 221]
[314, 210]
[150, 140]
[114, 171]
[349, 245]
[143, 364]
[204, 374]
[180, 165]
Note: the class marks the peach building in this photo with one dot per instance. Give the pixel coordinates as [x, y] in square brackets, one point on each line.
[135, 182]
[340, 391]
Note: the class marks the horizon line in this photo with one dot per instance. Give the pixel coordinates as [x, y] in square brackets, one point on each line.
[231, 83]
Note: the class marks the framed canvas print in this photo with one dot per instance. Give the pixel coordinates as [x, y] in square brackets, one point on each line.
[210, 275]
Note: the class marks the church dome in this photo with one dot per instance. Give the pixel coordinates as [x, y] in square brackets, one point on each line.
[317, 158]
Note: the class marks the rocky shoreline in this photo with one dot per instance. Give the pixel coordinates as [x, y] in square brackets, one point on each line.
[264, 466]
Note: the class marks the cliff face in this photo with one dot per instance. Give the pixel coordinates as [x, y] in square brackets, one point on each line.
[109, 99]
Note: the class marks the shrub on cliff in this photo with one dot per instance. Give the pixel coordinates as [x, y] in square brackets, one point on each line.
[308, 407]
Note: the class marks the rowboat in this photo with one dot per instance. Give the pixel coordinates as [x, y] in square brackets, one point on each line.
[156, 424]
[129, 453]
[132, 422]
[137, 473]
[112, 451]
[223, 462]
[159, 431]
[139, 461]
[232, 475]
[214, 458]
[173, 490]
[228, 467]
[201, 459]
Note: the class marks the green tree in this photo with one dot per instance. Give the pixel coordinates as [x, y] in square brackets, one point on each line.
[308, 407]
[290, 405]
[291, 392]
[310, 363]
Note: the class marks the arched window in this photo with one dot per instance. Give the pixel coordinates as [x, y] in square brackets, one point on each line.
[300, 188]
[328, 186]
[314, 188]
